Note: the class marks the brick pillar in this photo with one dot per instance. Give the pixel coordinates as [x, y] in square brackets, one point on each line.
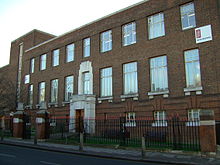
[18, 124]
[207, 131]
[42, 124]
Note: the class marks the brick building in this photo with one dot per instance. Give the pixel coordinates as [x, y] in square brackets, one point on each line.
[153, 59]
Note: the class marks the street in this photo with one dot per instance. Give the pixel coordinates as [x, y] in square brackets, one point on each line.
[13, 155]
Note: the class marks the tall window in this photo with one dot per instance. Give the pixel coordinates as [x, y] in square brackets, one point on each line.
[158, 72]
[70, 53]
[188, 17]
[32, 65]
[86, 83]
[130, 119]
[54, 91]
[86, 47]
[106, 41]
[156, 26]
[41, 92]
[68, 87]
[43, 62]
[130, 78]
[106, 82]
[129, 34]
[30, 94]
[56, 54]
[192, 67]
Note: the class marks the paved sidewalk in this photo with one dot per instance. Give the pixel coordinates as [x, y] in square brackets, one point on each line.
[157, 157]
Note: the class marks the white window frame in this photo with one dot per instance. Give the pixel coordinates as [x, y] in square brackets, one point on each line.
[70, 52]
[127, 89]
[43, 62]
[69, 86]
[54, 89]
[188, 14]
[152, 25]
[86, 47]
[130, 119]
[56, 54]
[86, 82]
[157, 70]
[129, 36]
[106, 82]
[188, 73]
[192, 120]
[106, 41]
[158, 121]
[32, 62]
[41, 92]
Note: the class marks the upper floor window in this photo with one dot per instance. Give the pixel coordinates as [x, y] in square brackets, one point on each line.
[55, 59]
[192, 68]
[188, 18]
[30, 94]
[43, 62]
[106, 41]
[41, 92]
[70, 52]
[158, 72]
[156, 26]
[129, 34]
[86, 47]
[130, 78]
[86, 83]
[32, 65]
[106, 82]
[68, 87]
[54, 91]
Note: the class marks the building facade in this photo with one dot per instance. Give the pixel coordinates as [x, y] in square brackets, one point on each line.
[154, 59]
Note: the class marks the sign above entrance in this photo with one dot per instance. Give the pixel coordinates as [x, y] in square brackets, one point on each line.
[203, 34]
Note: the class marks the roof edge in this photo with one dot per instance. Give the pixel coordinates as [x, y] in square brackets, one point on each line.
[99, 19]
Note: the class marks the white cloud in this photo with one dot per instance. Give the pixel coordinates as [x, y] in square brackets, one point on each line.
[52, 16]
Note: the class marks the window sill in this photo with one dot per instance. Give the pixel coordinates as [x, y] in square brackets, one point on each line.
[134, 96]
[198, 90]
[52, 104]
[100, 99]
[65, 102]
[164, 93]
[129, 44]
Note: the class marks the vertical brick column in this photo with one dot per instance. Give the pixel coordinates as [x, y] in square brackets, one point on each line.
[42, 122]
[207, 131]
[18, 124]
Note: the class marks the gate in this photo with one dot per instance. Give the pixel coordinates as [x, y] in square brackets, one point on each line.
[26, 127]
[217, 128]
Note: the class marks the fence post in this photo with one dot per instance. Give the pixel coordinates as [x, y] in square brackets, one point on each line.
[143, 149]
[81, 141]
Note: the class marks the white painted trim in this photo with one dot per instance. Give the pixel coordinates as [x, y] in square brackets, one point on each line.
[207, 122]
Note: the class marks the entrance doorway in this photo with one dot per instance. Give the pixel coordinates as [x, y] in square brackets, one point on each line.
[79, 120]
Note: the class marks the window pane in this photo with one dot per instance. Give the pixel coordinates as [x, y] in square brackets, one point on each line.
[68, 87]
[54, 91]
[30, 95]
[32, 65]
[70, 53]
[43, 61]
[156, 26]
[86, 83]
[41, 92]
[56, 57]
[129, 34]
[106, 82]
[192, 68]
[159, 75]
[188, 18]
[106, 41]
[130, 78]
[86, 47]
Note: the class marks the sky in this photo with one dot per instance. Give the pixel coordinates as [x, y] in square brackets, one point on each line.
[18, 17]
